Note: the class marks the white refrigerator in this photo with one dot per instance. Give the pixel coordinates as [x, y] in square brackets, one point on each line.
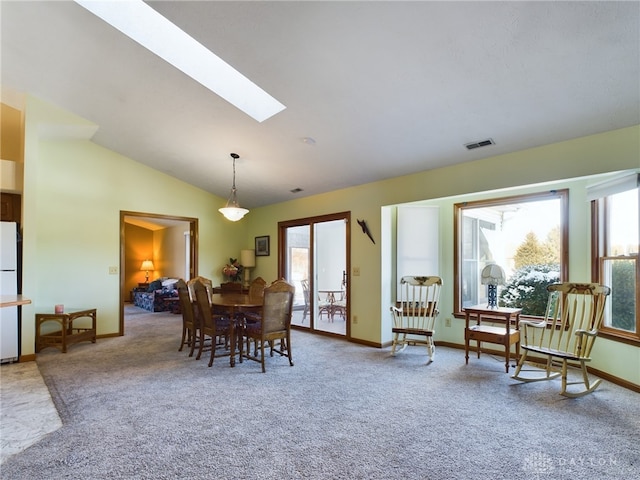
[8, 286]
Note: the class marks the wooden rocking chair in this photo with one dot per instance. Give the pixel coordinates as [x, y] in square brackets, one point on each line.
[414, 315]
[566, 334]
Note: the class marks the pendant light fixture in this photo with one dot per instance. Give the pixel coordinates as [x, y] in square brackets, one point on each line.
[232, 211]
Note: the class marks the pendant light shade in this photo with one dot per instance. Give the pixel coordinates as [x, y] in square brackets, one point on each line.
[232, 211]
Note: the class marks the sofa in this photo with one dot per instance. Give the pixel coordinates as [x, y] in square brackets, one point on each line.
[160, 296]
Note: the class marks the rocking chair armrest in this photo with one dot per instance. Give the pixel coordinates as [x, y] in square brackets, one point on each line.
[589, 333]
[533, 323]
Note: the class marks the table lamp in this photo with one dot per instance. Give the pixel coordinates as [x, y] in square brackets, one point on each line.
[492, 276]
[248, 261]
[147, 266]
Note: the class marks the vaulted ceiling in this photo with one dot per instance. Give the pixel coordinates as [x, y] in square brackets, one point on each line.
[372, 89]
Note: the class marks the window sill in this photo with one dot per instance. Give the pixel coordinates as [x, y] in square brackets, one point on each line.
[629, 339]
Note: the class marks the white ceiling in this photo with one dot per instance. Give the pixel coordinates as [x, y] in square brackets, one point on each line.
[384, 88]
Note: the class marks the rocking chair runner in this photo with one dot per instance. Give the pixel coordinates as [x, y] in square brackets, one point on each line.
[566, 334]
[414, 315]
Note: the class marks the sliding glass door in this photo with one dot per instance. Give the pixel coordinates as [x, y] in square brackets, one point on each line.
[314, 258]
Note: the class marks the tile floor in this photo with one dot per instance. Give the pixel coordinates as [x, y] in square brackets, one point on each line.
[27, 412]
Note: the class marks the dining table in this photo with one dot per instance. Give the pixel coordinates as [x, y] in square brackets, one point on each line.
[232, 303]
[331, 300]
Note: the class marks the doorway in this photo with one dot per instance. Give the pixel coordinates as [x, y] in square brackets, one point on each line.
[314, 257]
[188, 229]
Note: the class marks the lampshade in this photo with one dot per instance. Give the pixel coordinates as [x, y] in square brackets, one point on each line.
[147, 265]
[248, 258]
[232, 211]
[492, 274]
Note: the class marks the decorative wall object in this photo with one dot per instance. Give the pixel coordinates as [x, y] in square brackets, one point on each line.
[262, 246]
[365, 229]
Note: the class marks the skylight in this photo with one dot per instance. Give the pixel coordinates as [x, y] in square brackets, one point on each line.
[141, 23]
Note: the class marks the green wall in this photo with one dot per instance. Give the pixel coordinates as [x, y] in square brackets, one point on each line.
[558, 165]
[74, 191]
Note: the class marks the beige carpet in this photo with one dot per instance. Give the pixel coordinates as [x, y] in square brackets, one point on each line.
[134, 407]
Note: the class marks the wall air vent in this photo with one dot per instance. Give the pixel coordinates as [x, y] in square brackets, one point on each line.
[483, 143]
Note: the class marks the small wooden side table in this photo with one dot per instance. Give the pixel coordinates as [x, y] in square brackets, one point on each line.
[492, 334]
[68, 333]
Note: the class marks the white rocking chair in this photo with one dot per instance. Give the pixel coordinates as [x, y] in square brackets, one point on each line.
[565, 335]
[414, 315]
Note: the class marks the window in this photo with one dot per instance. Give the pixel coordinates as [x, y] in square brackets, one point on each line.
[615, 212]
[526, 235]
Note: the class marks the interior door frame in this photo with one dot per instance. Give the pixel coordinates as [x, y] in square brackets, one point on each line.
[193, 249]
[282, 259]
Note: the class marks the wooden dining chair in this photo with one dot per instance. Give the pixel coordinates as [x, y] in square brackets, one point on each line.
[256, 290]
[215, 327]
[253, 314]
[207, 282]
[274, 325]
[190, 321]
[192, 294]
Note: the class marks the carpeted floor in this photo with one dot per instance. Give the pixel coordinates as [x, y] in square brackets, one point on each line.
[134, 407]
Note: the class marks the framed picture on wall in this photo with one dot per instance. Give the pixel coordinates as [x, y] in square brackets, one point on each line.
[262, 246]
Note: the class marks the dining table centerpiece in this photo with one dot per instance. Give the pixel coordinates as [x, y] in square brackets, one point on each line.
[233, 270]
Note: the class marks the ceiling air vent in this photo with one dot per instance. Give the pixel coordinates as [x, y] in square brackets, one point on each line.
[483, 143]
